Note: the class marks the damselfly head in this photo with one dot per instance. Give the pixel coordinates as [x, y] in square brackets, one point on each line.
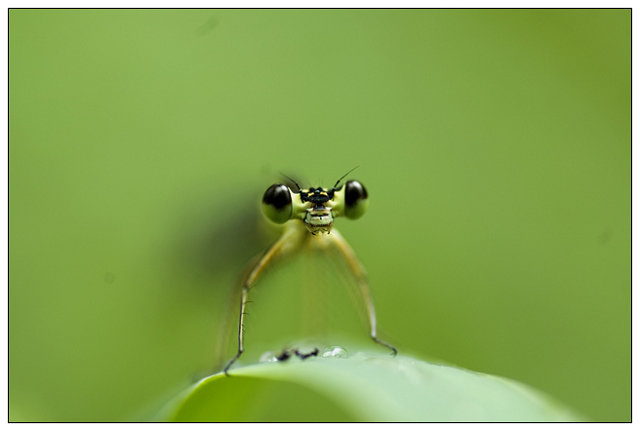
[316, 207]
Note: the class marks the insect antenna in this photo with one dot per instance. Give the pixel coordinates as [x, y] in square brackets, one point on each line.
[292, 180]
[342, 177]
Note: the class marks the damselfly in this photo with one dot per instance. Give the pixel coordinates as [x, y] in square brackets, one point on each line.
[308, 216]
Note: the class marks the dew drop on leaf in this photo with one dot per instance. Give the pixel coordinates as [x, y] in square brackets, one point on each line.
[335, 352]
[268, 357]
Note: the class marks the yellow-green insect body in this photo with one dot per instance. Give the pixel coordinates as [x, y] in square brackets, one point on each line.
[309, 215]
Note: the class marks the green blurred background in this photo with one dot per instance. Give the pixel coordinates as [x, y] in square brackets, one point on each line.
[495, 146]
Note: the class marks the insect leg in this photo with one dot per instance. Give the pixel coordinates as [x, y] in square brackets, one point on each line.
[361, 277]
[289, 241]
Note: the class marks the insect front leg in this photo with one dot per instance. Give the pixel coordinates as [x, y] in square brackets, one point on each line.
[288, 242]
[361, 277]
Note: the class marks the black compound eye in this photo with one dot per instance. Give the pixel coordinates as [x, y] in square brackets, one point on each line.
[356, 199]
[276, 203]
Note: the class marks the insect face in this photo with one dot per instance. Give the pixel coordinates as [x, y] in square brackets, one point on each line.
[316, 207]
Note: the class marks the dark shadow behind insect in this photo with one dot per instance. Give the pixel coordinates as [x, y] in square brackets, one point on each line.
[223, 234]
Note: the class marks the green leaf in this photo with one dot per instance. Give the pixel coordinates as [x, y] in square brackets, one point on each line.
[363, 387]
